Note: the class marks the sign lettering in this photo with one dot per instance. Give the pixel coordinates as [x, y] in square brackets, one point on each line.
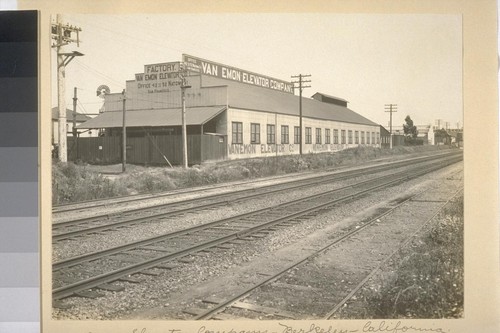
[210, 68]
[159, 77]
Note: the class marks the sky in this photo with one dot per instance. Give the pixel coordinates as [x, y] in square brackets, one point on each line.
[412, 60]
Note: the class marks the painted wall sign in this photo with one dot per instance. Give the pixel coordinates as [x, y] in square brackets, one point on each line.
[210, 68]
[251, 149]
[159, 77]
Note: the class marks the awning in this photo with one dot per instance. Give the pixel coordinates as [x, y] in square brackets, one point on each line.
[153, 117]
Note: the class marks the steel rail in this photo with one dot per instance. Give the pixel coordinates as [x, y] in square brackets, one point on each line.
[80, 205]
[227, 303]
[307, 183]
[106, 202]
[99, 254]
[95, 281]
[383, 262]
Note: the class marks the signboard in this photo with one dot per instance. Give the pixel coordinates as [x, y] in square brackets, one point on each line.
[210, 68]
[159, 77]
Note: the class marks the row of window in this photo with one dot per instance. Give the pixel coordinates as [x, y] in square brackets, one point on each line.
[360, 137]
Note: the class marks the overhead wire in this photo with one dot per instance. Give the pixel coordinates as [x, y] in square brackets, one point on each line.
[156, 44]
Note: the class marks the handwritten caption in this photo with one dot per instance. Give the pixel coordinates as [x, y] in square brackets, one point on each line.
[368, 327]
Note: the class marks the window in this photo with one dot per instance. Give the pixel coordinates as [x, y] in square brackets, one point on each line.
[356, 137]
[343, 137]
[362, 137]
[254, 133]
[336, 136]
[327, 136]
[367, 138]
[308, 135]
[296, 135]
[271, 134]
[378, 138]
[318, 136]
[285, 137]
[237, 133]
[349, 137]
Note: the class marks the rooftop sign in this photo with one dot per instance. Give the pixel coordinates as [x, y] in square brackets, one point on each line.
[159, 77]
[210, 68]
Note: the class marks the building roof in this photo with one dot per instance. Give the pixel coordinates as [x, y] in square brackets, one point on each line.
[383, 131]
[260, 99]
[80, 117]
[329, 96]
[154, 117]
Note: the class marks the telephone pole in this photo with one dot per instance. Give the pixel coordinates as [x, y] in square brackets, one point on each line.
[75, 98]
[391, 108]
[301, 86]
[75, 139]
[124, 135]
[184, 86]
[63, 34]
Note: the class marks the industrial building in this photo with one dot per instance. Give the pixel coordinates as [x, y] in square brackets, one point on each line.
[230, 113]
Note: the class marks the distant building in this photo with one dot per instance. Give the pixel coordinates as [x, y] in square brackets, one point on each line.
[422, 132]
[80, 119]
[385, 137]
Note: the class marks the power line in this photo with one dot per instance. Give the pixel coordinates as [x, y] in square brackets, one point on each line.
[98, 72]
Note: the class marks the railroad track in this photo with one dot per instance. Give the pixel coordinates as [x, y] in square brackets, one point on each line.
[300, 297]
[75, 276]
[104, 222]
[82, 206]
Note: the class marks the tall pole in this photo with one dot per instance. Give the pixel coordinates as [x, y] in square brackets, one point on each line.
[300, 113]
[75, 138]
[63, 35]
[124, 135]
[75, 98]
[184, 134]
[301, 86]
[184, 86]
[61, 92]
[390, 108]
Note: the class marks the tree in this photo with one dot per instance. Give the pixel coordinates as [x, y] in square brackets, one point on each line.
[409, 129]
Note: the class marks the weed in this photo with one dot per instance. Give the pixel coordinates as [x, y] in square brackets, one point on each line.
[429, 278]
[75, 182]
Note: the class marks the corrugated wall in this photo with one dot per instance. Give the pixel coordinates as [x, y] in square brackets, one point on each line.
[147, 150]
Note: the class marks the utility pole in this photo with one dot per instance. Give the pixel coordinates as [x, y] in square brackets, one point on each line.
[391, 108]
[74, 113]
[301, 87]
[184, 86]
[75, 139]
[62, 34]
[124, 135]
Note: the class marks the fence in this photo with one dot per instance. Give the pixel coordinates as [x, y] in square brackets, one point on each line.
[147, 150]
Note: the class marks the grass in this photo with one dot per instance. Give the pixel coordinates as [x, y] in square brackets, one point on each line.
[76, 182]
[72, 183]
[429, 278]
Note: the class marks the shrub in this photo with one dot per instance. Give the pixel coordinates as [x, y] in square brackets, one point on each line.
[144, 181]
[74, 182]
[71, 183]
